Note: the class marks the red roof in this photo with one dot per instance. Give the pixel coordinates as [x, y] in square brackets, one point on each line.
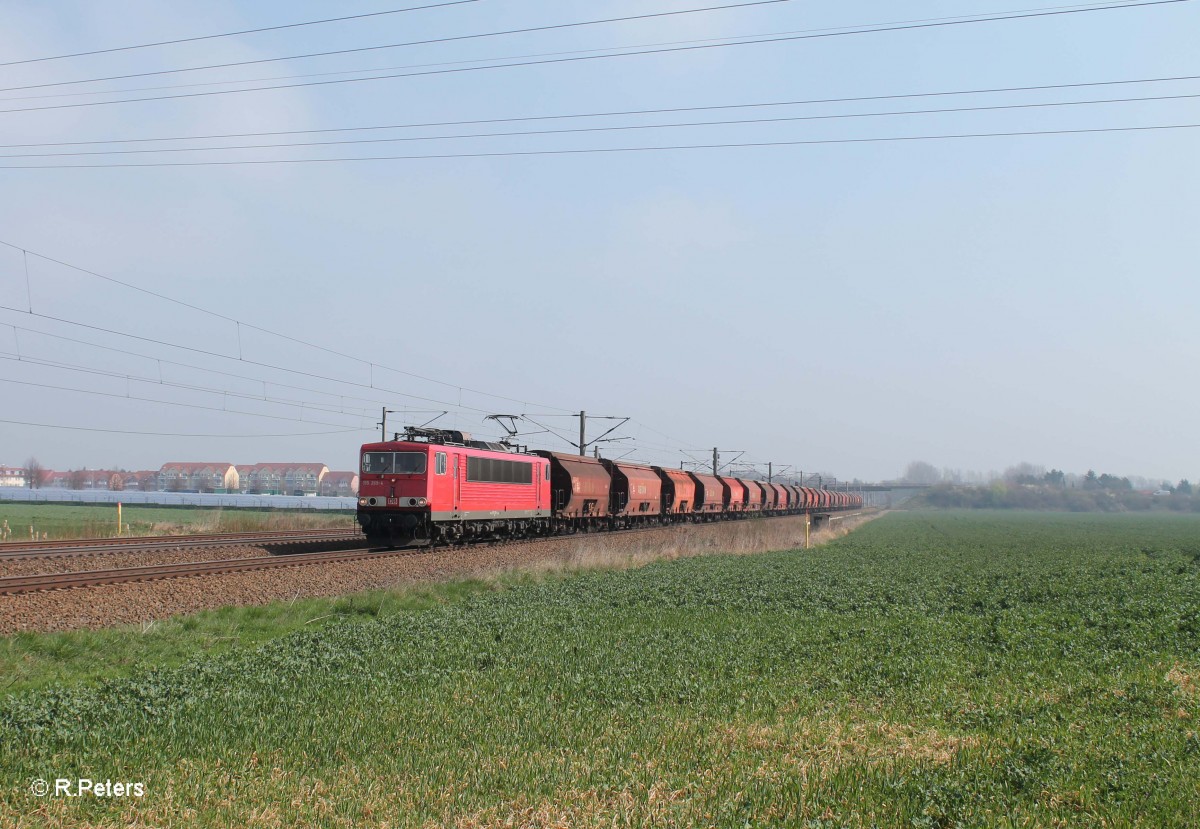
[194, 467]
[281, 467]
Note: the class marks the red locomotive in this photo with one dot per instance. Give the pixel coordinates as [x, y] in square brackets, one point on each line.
[442, 486]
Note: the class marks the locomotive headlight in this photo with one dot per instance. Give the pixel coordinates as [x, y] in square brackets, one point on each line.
[362, 502]
[422, 502]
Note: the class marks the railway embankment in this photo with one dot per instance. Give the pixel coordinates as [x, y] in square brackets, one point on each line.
[144, 602]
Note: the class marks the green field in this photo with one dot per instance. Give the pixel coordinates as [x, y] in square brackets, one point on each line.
[58, 521]
[931, 669]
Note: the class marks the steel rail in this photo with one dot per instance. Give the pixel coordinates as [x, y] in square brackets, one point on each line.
[98, 546]
[92, 578]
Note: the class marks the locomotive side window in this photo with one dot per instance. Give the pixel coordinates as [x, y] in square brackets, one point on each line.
[441, 463]
[497, 471]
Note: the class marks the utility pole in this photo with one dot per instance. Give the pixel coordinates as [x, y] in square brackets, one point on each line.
[770, 471]
[383, 424]
[716, 462]
[584, 443]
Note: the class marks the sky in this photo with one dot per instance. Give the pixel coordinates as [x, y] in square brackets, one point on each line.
[840, 307]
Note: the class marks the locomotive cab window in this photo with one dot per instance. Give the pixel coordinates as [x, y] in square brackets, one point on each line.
[393, 463]
[410, 463]
[377, 463]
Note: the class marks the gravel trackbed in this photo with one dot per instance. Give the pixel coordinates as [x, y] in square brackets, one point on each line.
[132, 603]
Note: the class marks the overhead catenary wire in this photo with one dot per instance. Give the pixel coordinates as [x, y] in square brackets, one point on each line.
[240, 32]
[307, 405]
[548, 61]
[323, 406]
[626, 112]
[196, 350]
[304, 405]
[192, 366]
[144, 433]
[615, 128]
[504, 57]
[612, 150]
[254, 327]
[426, 42]
[152, 381]
[118, 396]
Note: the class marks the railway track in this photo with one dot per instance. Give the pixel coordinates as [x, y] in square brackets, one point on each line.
[92, 578]
[24, 551]
[12, 585]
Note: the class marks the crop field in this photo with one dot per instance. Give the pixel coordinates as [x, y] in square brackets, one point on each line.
[930, 669]
[62, 521]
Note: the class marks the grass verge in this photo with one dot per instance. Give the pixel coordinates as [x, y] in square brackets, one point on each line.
[61, 521]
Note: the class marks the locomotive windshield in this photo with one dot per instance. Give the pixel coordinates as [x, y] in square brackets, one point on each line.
[393, 463]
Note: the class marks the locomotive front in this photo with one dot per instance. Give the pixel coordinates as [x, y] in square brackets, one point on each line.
[394, 498]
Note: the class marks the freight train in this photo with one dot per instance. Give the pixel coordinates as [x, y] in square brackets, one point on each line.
[441, 486]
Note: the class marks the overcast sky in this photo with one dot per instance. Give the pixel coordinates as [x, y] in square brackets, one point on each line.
[845, 307]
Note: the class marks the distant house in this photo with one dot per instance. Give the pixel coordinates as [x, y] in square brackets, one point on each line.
[145, 480]
[105, 479]
[198, 477]
[12, 476]
[80, 479]
[340, 484]
[283, 478]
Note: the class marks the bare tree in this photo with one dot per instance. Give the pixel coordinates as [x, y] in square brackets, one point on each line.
[1025, 473]
[920, 472]
[35, 474]
[76, 478]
